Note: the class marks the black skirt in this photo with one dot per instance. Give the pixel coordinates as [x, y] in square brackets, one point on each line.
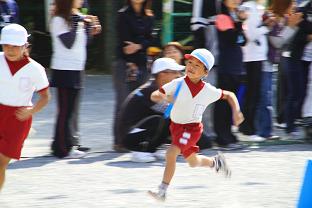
[67, 79]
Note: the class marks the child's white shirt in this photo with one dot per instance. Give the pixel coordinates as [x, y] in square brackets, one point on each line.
[18, 89]
[186, 108]
[63, 58]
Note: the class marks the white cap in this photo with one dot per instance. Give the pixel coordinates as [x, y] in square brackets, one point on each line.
[204, 56]
[163, 64]
[14, 34]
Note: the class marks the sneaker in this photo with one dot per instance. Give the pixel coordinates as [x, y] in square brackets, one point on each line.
[252, 138]
[159, 196]
[295, 135]
[273, 137]
[220, 165]
[280, 125]
[143, 157]
[75, 154]
[160, 154]
[83, 148]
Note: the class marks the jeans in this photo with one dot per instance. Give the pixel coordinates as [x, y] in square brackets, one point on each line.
[295, 90]
[264, 111]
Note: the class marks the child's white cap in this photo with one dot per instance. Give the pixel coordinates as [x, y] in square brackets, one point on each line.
[14, 34]
[163, 64]
[204, 56]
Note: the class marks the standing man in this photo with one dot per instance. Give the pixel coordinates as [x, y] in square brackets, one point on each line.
[205, 36]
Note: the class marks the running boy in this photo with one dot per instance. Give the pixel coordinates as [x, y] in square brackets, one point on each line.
[20, 77]
[191, 96]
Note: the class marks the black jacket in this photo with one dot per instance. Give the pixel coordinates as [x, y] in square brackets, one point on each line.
[230, 52]
[134, 28]
[300, 39]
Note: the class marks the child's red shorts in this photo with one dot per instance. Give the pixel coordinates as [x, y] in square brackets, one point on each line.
[12, 132]
[186, 136]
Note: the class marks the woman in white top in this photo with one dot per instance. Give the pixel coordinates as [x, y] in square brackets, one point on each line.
[69, 30]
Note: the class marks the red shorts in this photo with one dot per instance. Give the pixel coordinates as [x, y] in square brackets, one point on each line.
[186, 136]
[12, 132]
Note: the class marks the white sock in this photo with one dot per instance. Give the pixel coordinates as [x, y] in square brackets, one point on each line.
[163, 188]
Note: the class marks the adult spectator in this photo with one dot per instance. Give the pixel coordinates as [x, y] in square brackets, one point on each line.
[230, 68]
[282, 32]
[254, 56]
[205, 36]
[9, 13]
[293, 67]
[70, 31]
[134, 36]
[175, 51]
[142, 126]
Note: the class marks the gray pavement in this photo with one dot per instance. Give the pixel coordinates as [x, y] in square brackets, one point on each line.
[263, 176]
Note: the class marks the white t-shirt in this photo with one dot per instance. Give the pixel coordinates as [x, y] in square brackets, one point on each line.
[186, 108]
[62, 57]
[18, 89]
[256, 48]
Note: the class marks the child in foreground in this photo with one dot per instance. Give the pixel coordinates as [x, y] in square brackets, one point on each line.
[20, 78]
[190, 97]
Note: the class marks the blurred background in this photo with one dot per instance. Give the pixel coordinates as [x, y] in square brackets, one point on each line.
[34, 15]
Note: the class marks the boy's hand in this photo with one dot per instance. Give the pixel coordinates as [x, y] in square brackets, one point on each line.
[169, 98]
[166, 98]
[23, 114]
[238, 118]
[159, 97]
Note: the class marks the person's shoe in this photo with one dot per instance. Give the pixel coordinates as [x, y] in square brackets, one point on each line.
[252, 138]
[299, 122]
[75, 154]
[280, 125]
[143, 157]
[160, 154]
[83, 149]
[220, 165]
[295, 135]
[159, 196]
[273, 137]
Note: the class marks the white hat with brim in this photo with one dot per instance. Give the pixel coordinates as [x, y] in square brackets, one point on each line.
[14, 34]
[166, 64]
[204, 56]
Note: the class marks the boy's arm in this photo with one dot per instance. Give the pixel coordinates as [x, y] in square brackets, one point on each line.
[159, 97]
[230, 97]
[25, 112]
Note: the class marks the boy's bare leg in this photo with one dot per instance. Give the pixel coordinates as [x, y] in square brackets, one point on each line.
[4, 161]
[195, 160]
[171, 159]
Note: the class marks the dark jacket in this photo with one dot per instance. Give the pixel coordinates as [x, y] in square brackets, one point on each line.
[9, 8]
[133, 28]
[300, 39]
[230, 52]
[138, 106]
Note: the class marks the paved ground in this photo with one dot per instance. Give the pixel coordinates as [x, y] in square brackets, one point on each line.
[265, 176]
